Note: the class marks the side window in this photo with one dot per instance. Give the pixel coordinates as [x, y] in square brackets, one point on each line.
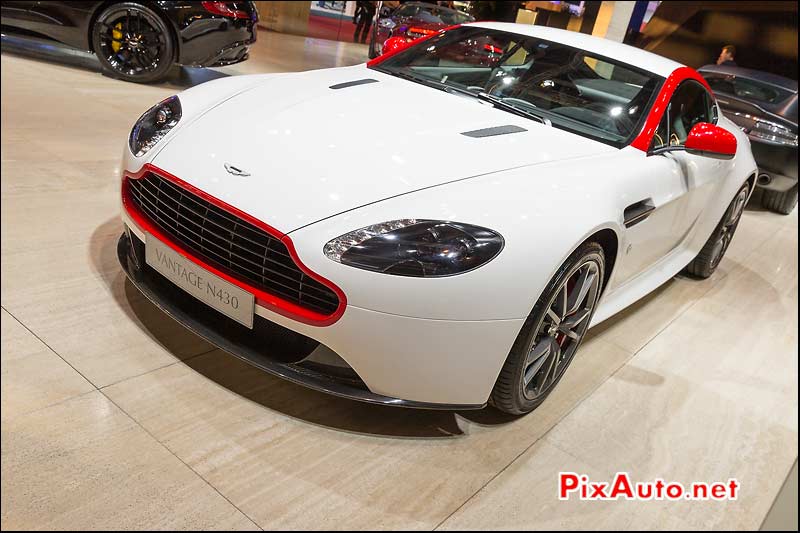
[690, 104]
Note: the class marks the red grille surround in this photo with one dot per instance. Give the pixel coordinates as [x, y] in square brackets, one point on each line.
[273, 302]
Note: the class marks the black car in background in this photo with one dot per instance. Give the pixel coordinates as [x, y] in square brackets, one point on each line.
[140, 41]
[764, 105]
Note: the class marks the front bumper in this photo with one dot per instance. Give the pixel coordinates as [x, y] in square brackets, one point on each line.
[392, 360]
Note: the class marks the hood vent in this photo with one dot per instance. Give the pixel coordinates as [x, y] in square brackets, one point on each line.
[353, 83]
[497, 130]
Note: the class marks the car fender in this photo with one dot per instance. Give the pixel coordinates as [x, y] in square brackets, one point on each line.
[539, 230]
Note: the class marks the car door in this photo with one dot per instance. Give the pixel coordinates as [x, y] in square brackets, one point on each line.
[674, 187]
[702, 175]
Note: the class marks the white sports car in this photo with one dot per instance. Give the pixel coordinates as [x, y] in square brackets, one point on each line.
[437, 228]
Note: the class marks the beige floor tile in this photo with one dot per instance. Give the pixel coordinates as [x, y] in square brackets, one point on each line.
[104, 327]
[22, 177]
[58, 218]
[662, 426]
[54, 266]
[525, 497]
[293, 458]
[32, 375]
[83, 464]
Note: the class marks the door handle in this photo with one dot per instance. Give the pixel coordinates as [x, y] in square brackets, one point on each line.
[637, 212]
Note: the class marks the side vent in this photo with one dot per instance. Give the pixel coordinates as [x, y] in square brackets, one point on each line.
[497, 130]
[353, 83]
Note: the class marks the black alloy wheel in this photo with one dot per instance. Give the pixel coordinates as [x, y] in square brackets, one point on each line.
[714, 249]
[133, 43]
[548, 341]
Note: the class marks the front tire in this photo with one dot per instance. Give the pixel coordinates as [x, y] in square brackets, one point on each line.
[717, 244]
[552, 333]
[133, 43]
[782, 202]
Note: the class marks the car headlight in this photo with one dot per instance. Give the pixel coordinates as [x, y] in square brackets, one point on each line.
[419, 248]
[387, 23]
[154, 125]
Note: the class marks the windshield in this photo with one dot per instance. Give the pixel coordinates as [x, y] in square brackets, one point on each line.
[589, 95]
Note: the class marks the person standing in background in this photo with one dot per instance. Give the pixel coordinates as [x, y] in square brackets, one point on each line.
[727, 55]
[365, 11]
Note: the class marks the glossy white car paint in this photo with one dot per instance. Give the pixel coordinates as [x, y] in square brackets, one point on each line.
[321, 167]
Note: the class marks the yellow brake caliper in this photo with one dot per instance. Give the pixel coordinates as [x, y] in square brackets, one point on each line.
[116, 35]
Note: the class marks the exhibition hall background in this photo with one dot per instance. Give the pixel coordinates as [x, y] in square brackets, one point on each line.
[764, 32]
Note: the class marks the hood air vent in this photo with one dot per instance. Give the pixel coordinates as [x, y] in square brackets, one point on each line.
[353, 83]
[491, 132]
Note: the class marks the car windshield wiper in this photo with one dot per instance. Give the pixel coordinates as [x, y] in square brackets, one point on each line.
[500, 104]
[431, 83]
[453, 89]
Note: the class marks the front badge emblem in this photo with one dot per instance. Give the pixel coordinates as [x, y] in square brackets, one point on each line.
[235, 171]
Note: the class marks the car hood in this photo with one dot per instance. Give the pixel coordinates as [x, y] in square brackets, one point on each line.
[312, 152]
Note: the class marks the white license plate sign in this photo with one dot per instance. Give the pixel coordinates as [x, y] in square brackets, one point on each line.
[209, 288]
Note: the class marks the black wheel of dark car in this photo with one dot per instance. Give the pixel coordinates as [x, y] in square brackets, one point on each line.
[717, 244]
[133, 43]
[782, 202]
[552, 333]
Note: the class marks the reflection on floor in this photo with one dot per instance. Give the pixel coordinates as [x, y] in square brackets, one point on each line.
[114, 417]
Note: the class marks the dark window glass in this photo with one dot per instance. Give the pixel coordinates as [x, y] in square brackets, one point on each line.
[720, 83]
[747, 89]
[690, 105]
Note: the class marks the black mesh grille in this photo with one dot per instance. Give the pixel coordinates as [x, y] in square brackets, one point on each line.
[231, 244]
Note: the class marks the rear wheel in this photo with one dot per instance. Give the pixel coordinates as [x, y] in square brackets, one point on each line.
[552, 333]
[133, 43]
[717, 244]
[782, 202]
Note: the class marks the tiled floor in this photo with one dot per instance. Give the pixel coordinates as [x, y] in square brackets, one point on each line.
[113, 416]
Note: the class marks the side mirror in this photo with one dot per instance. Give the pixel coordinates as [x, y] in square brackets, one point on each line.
[711, 141]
